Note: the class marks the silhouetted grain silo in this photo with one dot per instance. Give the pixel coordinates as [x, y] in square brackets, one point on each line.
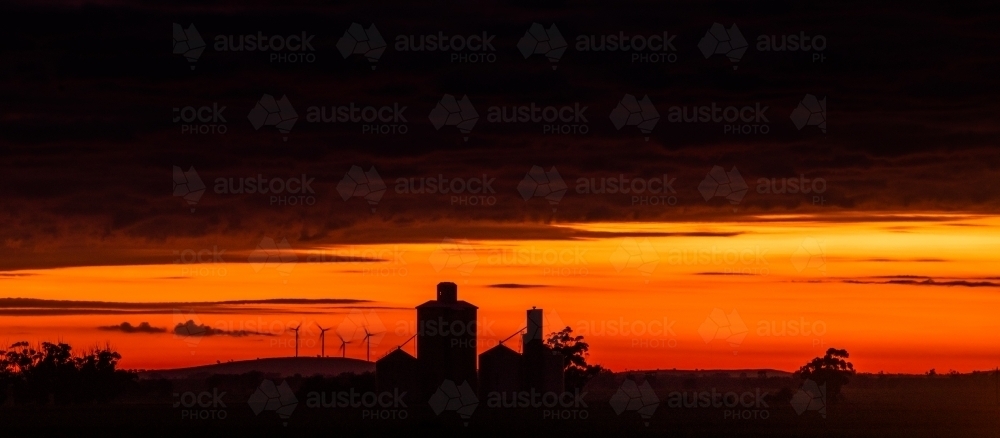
[446, 339]
[541, 366]
[499, 371]
[399, 371]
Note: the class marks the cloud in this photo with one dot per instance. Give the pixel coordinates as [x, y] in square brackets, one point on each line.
[889, 260]
[904, 131]
[125, 327]
[721, 273]
[930, 282]
[39, 307]
[190, 328]
[516, 286]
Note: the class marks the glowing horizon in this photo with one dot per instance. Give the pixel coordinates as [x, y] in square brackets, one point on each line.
[901, 294]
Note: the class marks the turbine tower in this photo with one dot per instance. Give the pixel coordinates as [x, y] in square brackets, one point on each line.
[322, 340]
[367, 339]
[296, 330]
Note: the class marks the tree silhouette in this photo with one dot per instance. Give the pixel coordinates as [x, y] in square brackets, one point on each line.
[574, 349]
[832, 369]
[50, 373]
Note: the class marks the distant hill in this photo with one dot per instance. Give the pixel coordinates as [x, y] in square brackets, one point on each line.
[704, 373]
[283, 366]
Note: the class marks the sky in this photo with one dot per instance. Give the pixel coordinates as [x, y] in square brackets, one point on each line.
[874, 229]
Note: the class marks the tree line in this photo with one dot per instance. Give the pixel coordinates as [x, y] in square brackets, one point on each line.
[50, 373]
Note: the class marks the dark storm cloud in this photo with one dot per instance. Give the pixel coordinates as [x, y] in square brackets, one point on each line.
[89, 142]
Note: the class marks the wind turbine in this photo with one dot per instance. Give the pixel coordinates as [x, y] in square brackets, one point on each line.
[343, 345]
[296, 330]
[322, 340]
[367, 339]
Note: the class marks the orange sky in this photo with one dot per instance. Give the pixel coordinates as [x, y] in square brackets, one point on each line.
[831, 276]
